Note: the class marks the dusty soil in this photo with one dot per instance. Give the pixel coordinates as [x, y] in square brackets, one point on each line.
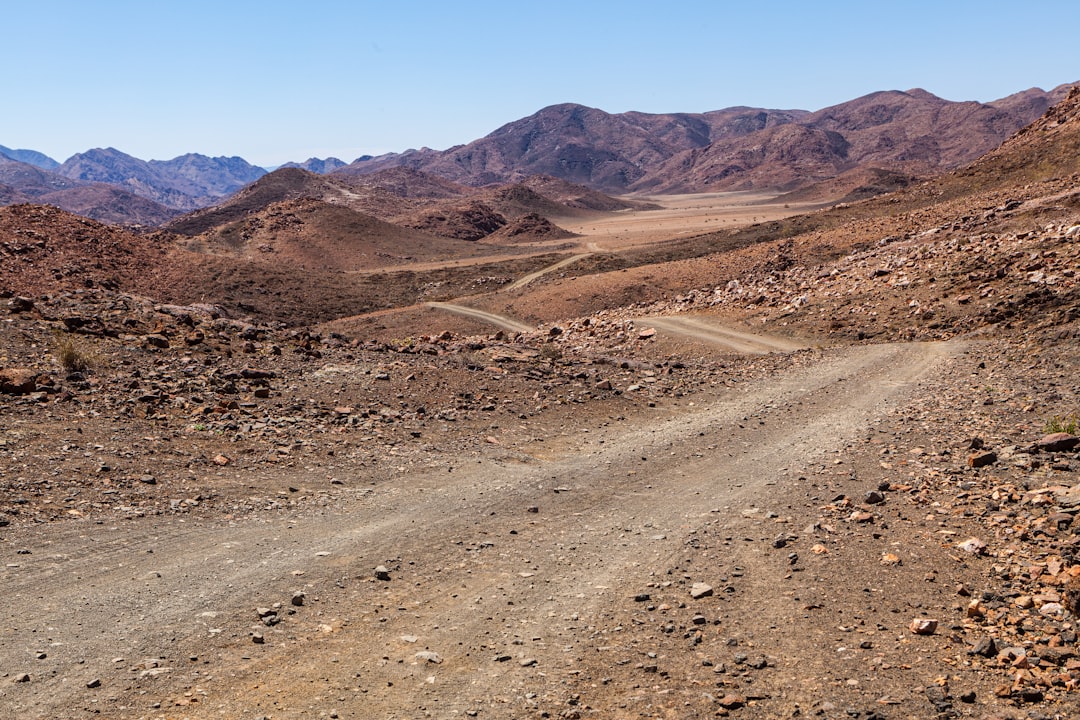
[680, 215]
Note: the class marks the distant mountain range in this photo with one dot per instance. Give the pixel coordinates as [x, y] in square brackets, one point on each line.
[892, 135]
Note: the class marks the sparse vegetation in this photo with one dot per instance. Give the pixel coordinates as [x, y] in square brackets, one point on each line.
[1063, 424]
[74, 355]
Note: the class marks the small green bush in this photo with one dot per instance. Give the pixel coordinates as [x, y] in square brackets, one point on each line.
[1063, 424]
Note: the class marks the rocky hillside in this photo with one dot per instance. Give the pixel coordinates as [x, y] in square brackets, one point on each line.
[910, 132]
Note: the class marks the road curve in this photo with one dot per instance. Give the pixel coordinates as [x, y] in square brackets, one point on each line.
[491, 318]
[526, 279]
[709, 331]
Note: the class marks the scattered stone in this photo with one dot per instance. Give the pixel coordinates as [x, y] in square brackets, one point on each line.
[938, 696]
[732, 701]
[975, 546]
[700, 590]
[429, 657]
[18, 381]
[1070, 598]
[982, 459]
[1058, 442]
[20, 304]
[874, 497]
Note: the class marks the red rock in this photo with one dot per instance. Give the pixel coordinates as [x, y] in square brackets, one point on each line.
[1058, 442]
[732, 702]
[18, 381]
[982, 459]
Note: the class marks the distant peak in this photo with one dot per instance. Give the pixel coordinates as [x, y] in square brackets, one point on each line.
[921, 94]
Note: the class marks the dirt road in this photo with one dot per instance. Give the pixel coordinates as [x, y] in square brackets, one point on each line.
[498, 321]
[509, 572]
[709, 331]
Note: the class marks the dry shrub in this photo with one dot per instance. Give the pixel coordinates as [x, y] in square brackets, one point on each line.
[74, 355]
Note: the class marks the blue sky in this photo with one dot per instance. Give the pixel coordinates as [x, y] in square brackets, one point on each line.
[275, 81]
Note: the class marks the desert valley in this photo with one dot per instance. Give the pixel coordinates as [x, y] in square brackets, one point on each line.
[752, 414]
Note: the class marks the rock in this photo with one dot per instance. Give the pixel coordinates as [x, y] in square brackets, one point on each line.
[159, 342]
[874, 497]
[148, 479]
[298, 599]
[1058, 442]
[429, 657]
[20, 304]
[938, 697]
[95, 683]
[732, 701]
[382, 573]
[975, 546]
[646, 333]
[861, 516]
[982, 459]
[1070, 597]
[22, 677]
[527, 662]
[923, 626]
[258, 638]
[700, 590]
[985, 647]
[18, 381]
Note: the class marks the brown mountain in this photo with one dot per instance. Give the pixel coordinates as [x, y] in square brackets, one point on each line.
[581, 144]
[911, 132]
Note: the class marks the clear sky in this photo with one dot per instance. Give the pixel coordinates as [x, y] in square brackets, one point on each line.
[275, 81]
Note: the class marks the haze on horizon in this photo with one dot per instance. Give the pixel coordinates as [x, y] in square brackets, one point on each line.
[273, 82]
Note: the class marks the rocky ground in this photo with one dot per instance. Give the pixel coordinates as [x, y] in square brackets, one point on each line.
[933, 555]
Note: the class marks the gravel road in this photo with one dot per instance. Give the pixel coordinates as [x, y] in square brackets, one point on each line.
[505, 575]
